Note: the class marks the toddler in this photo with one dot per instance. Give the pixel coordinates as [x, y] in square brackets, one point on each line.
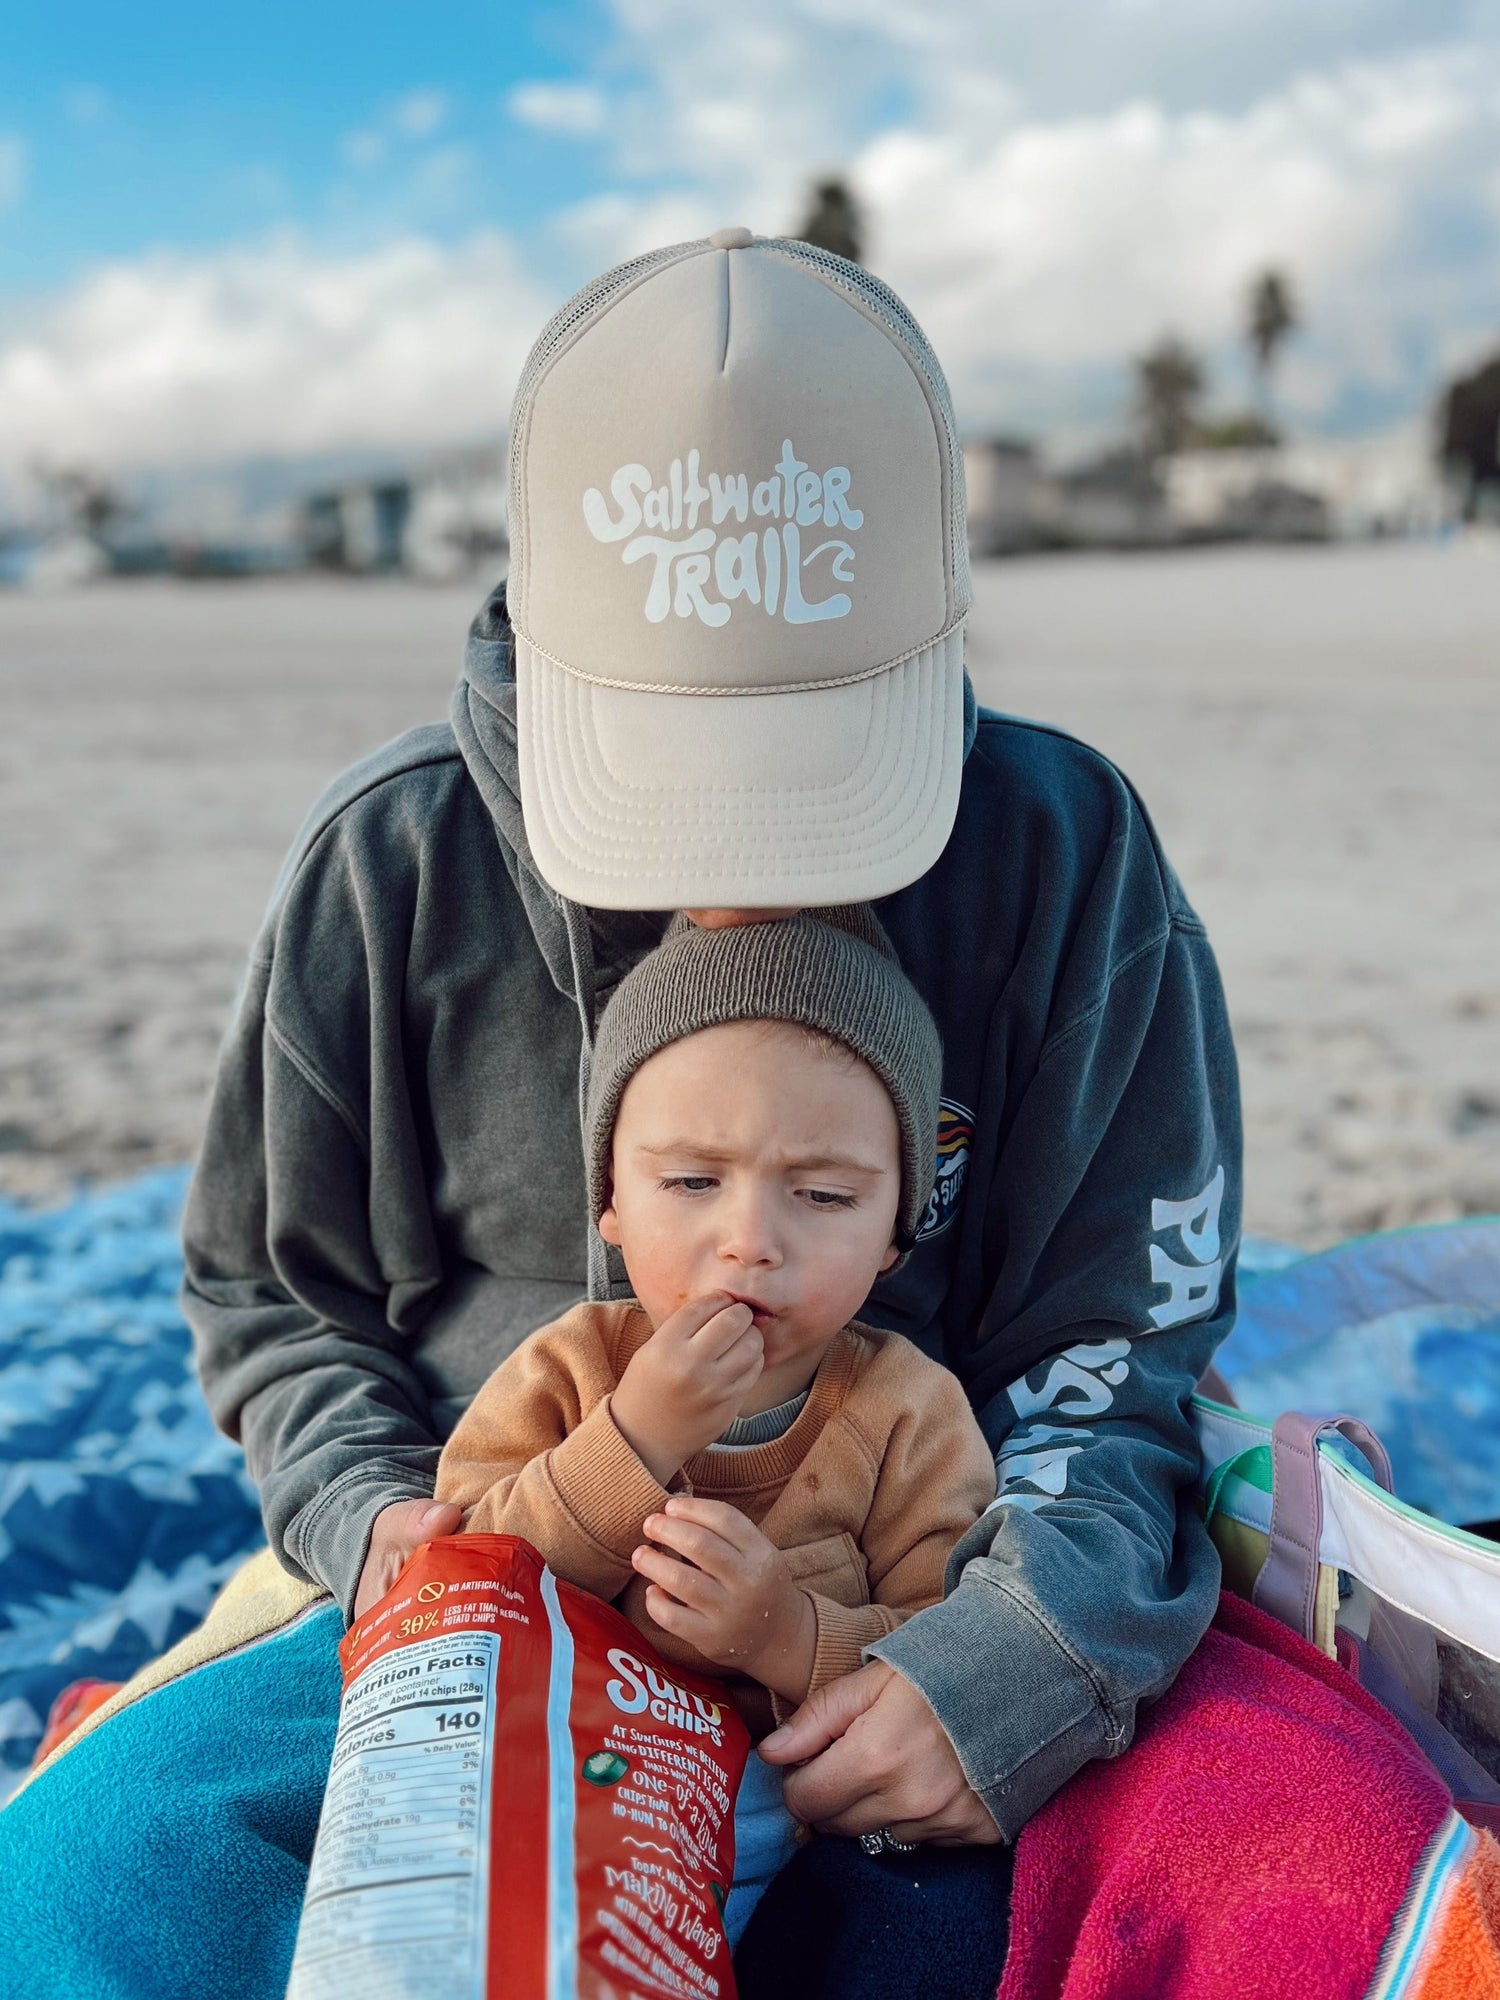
[762, 1485]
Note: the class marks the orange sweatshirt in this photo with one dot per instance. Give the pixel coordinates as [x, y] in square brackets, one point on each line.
[866, 1494]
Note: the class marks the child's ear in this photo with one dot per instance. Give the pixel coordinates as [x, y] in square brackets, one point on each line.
[892, 1253]
[609, 1225]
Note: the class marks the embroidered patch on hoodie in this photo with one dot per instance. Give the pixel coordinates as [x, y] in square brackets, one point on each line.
[955, 1135]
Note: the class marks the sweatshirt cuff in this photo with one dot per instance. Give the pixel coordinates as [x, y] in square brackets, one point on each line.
[1021, 1713]
[329, 1540]
[603, 1486]
[844, 1632]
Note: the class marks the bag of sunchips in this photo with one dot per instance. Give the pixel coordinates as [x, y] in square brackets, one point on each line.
[525, 1802]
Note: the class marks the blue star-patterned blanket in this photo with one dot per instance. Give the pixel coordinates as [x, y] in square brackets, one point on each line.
[122, 1509]
[1400, 1328]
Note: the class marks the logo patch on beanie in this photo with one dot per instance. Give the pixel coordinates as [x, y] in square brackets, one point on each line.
[955, 1135]
[705, 551]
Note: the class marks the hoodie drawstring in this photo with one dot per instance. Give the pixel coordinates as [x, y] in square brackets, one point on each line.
[604, 1281]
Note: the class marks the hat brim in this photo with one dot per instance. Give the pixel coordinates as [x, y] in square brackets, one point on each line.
[643, 801]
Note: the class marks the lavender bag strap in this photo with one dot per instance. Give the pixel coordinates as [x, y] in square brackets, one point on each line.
[1287, 1586]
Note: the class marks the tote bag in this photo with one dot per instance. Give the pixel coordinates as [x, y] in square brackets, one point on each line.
[1306, 1526]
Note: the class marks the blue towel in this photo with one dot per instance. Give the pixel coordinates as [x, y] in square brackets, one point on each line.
[165, 1856]
[765, 1839]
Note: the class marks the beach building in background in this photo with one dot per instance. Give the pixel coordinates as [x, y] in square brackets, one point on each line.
[443, 520]
[1305, 489]
[1019, 503]
[1009, 492]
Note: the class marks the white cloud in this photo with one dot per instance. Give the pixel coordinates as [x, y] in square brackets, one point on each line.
[1049, 187]
[1041, 246]
[612, 227]
[365, 148]
[1087, 56]
[261, 182]
[86, 104]
[1063, 245]
[271, 348]
[573, 110]
[744, 104]
[446, 168]
[420, 113]
[1070, 243]
[12, 168]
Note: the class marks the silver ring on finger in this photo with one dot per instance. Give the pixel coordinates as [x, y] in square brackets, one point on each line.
[883, 1841]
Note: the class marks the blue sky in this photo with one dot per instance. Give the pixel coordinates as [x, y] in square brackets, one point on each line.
[189, 125]
[301, 229]
[185, 126]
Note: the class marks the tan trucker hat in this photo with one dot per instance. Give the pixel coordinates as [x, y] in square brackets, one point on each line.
[738, 583]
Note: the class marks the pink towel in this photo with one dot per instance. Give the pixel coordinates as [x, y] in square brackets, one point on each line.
[1259, 1838]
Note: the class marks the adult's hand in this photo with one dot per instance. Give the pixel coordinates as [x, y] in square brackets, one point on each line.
[398, 1533]
[878, 1757]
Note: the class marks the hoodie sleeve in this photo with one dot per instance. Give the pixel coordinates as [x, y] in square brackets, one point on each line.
[308, 1232]
[1112, 1221]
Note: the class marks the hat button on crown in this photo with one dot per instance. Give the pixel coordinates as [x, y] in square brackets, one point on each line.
[737, 237]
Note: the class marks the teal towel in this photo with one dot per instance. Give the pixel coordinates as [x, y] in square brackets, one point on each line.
[193, 1890]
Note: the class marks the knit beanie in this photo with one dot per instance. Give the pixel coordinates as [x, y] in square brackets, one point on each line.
[831, 970]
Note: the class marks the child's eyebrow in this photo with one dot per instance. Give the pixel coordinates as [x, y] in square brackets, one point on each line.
[814, 1163]
[839, 1163]
[677, 1148]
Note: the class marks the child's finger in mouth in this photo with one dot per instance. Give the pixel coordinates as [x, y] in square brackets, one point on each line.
[726, 1326]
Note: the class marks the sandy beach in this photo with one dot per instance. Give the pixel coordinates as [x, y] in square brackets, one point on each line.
[1316, 733]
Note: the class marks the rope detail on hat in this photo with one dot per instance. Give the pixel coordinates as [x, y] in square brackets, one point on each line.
[778, 687]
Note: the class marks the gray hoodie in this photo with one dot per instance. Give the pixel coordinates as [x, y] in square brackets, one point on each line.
[391, 1193]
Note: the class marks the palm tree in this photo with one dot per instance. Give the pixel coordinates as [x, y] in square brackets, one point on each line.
[1271, 315]
[82, 497]
[834, 221]
[1469, 445]
[1169, 385]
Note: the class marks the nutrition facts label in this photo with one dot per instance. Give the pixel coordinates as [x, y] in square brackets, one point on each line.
[396, 1902]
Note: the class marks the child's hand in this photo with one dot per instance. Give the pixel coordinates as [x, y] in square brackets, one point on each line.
[733, 1597]
[687, 1383]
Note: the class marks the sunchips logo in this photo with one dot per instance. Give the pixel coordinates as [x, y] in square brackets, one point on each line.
[641, 1689]
[700, 567]
[955, 1135]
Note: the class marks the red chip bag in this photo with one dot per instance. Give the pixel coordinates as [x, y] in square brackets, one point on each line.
[69, 1711]
[525, 1802]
